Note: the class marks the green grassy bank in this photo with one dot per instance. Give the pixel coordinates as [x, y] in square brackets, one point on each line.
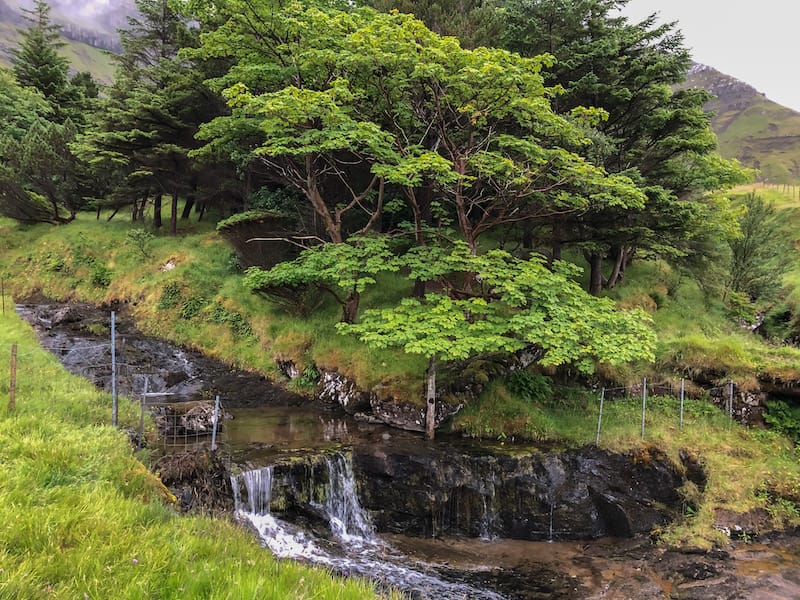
[188, 289]
[81, 517]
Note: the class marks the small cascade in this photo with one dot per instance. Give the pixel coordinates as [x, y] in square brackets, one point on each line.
[258, 484]
[489, 518]
[361, 553]
[348, 521]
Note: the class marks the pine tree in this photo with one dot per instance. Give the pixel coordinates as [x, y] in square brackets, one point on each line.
[38, 64]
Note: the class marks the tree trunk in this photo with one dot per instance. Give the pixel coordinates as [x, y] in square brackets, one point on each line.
[350, 307]
[619, 267]
[556, 243]
[157, 223]
[201, 211]
[595, 274]
[187, 208]
[173, 214]
[112, 215]
[527, 236]
[430, 400]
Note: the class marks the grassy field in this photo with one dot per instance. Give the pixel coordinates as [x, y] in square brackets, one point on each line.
[81, 517]
[188, 289]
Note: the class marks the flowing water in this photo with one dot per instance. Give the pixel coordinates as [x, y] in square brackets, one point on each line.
[446, 568]
[354, 548]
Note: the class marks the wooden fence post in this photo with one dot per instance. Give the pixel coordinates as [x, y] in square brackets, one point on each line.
[12, 388]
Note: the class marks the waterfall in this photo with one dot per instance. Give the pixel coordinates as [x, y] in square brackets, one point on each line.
[283, 539]
[348, 521]
[361, 552]
[258, 484]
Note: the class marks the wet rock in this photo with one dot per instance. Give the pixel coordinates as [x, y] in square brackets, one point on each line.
[427, 491]
[337, 390]
[407, 415]
[695, 571]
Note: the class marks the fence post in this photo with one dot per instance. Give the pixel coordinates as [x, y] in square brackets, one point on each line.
[644, 402]
[12, 388]
[141, 416]
[600, 417]
[683, 392]
[730, 399]
[216, 420]
[114, 398]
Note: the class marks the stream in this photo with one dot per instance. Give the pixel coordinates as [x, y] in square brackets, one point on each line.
[448, 520]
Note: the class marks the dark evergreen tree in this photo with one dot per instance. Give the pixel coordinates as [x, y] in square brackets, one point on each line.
[37, 63]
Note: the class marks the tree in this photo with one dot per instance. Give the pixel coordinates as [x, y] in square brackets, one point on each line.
[37, 63]
[343, 270]
[335, 103]
[758, 259]
[520, 303]
[41, 164]
[148, 121]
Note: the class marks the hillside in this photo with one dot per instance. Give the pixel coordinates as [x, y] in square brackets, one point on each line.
[89, 40]
[751, 128]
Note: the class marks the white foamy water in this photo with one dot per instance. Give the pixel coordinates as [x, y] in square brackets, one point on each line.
[355, 548]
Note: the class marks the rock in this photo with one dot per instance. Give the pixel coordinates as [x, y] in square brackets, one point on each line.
[336, 389]
[425, 490]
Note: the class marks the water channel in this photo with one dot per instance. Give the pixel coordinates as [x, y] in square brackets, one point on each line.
[362, 500]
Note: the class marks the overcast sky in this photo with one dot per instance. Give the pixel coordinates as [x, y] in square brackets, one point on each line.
[755, 41]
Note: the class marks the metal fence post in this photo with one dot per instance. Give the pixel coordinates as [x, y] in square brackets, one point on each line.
[141, 416]
[683, 393]
[730, 399]
[644, 402]
[114, 397]
[600, 417]
[216, 420]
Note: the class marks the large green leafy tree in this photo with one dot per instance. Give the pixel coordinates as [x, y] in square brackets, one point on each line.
[518, 304]
[336, 103]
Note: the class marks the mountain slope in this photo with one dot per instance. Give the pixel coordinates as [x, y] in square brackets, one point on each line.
[752, 128]
[87, 47]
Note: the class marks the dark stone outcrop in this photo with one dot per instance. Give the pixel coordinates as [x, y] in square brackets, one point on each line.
[426, 490]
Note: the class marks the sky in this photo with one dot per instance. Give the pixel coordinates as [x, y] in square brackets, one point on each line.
[756, 42]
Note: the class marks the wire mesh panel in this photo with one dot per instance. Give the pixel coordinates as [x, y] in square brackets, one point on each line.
[184, 423]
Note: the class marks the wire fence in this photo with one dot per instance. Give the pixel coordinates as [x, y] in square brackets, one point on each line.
[178, 422]
[723, 396]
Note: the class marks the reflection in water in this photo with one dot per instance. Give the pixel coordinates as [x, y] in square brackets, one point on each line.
[288, 429]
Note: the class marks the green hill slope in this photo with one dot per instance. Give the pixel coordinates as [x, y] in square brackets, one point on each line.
[751, 128]
[81, 56]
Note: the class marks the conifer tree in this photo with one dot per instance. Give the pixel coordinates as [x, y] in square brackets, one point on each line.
[37, 63]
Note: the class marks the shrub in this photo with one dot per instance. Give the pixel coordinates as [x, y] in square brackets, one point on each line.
[141, 240]
[170, 296]
[529, 386]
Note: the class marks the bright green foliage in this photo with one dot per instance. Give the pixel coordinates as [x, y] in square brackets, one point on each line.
[19, 107]
[758, 255]
[344, 270]
[522, 304]
[473, 22]
[326, 100]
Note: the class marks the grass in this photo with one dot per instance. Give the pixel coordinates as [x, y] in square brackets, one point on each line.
[748, 469]
[187, 289]
[81, 517]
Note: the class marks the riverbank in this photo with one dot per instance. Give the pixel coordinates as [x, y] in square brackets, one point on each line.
[590, 569]
[82, 517]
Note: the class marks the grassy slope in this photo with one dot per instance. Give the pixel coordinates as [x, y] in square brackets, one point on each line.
[81, 517]
[81, 57]
[759, 132]
[201, 302]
